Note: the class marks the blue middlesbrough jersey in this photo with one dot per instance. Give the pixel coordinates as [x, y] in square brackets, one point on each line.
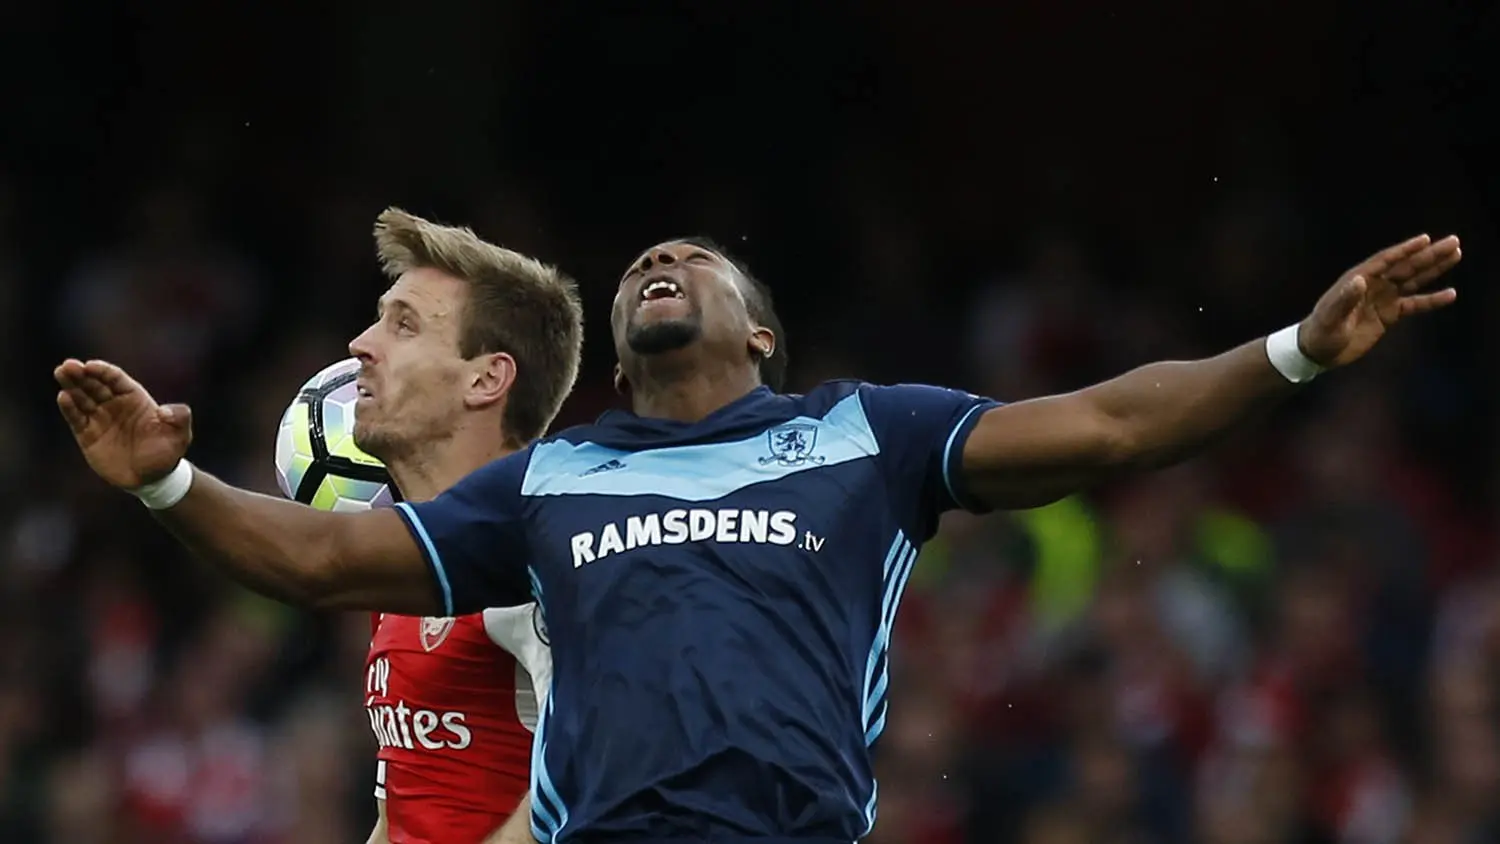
[718, 597]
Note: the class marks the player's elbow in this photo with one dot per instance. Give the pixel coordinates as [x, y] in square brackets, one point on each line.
[1117, 440]
[332, 587]
[368, 561]
[324, 594]
[1119, 447]
[325, 579]
[1125, 450]
[1101, 441]
[320, 584]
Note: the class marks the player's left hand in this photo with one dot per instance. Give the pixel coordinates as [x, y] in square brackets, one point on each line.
[1374, 295]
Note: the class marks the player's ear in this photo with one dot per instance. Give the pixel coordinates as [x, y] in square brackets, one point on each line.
[622, 384]
[491, 378]
[762, 343]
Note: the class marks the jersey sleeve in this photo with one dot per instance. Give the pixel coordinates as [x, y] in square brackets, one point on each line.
[921, 431]
[520, 632]
[474, 539]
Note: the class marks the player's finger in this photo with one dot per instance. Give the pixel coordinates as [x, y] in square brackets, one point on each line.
[1414, 263]
[64, 376]
[180, 418]
[67, 370]
[95, 389]
[176, 415]
[77, 419]
[71, 378]
[113, 377]
[1378, 263]
[1425, 302]
[82, 401]
[1428, 274]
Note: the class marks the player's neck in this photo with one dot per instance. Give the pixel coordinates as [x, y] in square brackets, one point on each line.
[427, 473]
[691, 396]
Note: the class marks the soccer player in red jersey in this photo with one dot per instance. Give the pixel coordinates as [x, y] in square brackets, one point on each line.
[470, 357]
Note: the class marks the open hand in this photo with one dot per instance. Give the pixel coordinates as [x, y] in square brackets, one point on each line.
[126, 437]
[1377, 293]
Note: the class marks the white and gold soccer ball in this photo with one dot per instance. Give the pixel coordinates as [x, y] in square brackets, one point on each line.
[317, 462]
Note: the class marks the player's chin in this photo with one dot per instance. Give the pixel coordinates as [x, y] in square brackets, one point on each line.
[662, 335]
[370, 438]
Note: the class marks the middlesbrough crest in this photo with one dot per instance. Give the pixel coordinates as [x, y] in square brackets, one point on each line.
[792, 444]
[434, 631]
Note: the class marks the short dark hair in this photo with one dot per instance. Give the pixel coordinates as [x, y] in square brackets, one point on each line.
[762, 309]
[516, 305]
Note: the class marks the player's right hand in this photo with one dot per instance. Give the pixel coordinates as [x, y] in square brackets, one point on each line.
[126, 437]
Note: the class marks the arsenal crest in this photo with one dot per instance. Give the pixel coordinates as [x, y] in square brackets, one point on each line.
[434, 631]
[539, 624]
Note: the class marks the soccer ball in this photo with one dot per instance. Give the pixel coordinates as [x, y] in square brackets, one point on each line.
[317, 462]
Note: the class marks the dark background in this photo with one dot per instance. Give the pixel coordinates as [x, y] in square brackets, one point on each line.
[1294, 640]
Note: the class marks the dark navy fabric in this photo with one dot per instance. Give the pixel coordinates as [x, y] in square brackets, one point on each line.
[719, 599]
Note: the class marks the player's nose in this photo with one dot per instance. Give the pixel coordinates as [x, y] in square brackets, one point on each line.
[363, 345]
[659, 256]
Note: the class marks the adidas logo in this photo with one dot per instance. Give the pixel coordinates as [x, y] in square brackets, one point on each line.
[603, 467]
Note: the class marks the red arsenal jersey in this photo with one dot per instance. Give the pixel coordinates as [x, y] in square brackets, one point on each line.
[453, 703]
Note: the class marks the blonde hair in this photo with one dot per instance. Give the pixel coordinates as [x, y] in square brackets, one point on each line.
[516, 305]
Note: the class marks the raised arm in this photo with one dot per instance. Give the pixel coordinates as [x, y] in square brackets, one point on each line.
[304, 556]
[1033, 452]
[284, 550]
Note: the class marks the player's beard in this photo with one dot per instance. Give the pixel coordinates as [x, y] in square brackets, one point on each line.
[376, 440]
[656, 338]
[392, 438]
[410, 414]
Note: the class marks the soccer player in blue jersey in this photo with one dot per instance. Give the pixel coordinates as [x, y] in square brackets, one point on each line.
[720, 568]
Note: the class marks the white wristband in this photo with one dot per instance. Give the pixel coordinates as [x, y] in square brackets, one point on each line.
[1286, 356]
[165, 493]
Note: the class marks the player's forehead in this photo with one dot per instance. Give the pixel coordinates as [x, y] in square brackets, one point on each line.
[424, 291]
[393, 300]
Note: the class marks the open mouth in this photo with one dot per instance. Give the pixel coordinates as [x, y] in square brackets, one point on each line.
[661, 289]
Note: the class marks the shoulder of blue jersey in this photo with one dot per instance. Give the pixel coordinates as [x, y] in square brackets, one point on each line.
[822, 398]
[773, 410]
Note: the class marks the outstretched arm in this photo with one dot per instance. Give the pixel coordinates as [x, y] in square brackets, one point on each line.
[1032, 452]
[304, 556]
[284, 550]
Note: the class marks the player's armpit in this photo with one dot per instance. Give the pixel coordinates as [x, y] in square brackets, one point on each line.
[303, 556]
[1034, 452]
[516, 829]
